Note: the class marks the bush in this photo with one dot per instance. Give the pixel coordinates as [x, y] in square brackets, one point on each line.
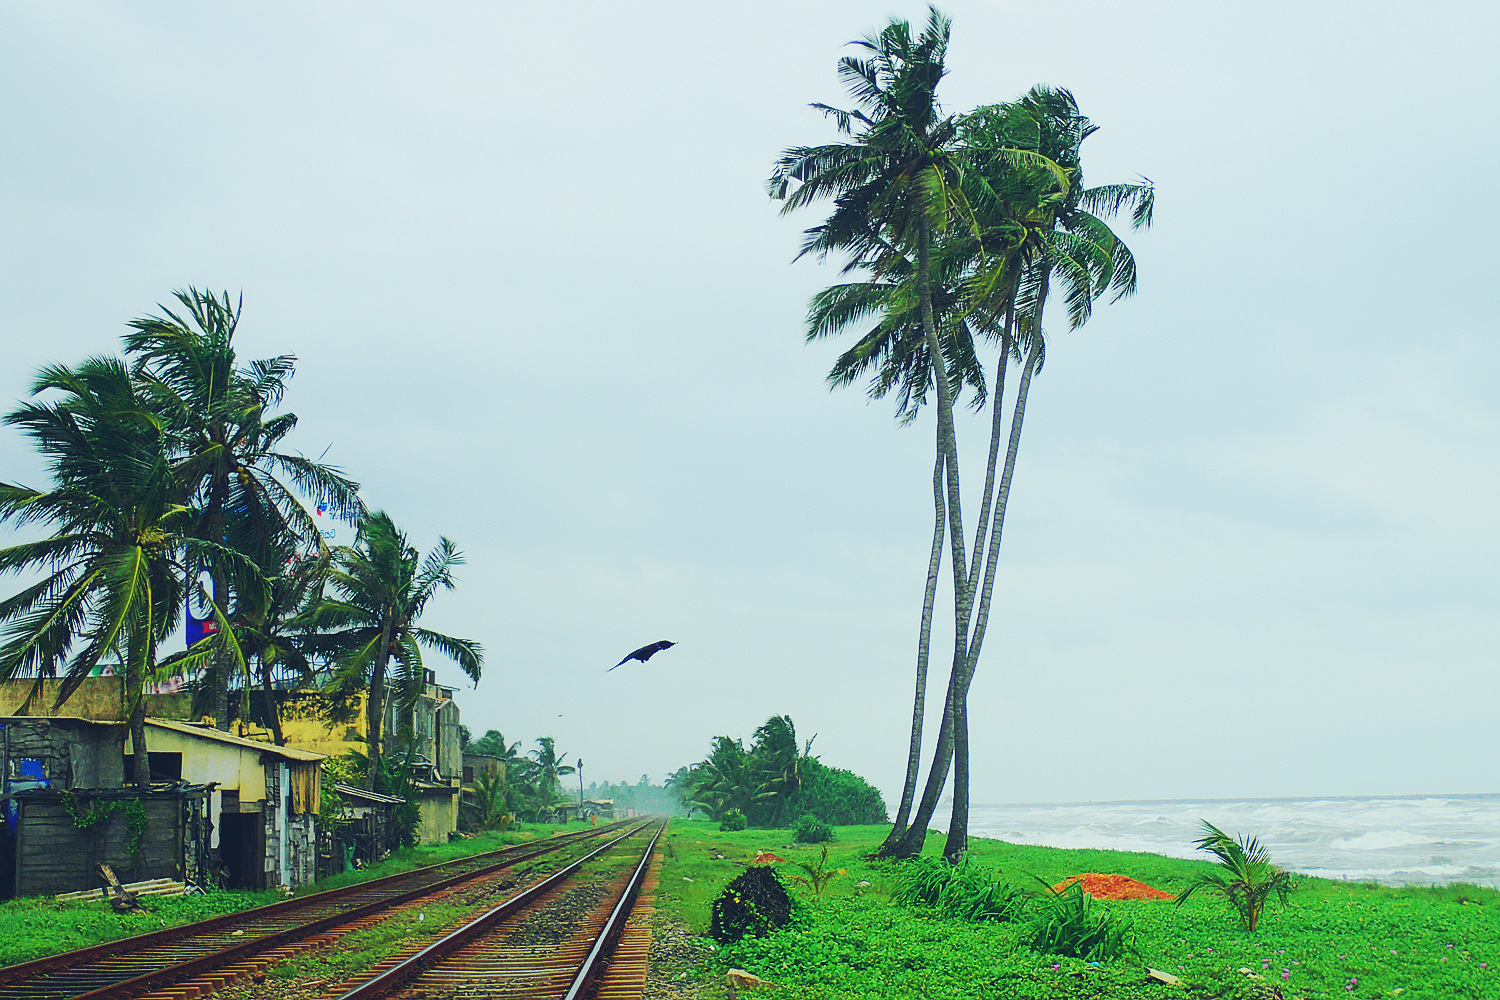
[753, 903]
[840, 797]
[810, 830]
[732, 820]
[967, 890]
[1072, 923]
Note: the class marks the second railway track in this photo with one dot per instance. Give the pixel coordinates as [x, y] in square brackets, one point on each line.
[551, 941]
[222, 946]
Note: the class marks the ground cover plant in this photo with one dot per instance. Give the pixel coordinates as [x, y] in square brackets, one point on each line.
[1334, 939]
[40, 926]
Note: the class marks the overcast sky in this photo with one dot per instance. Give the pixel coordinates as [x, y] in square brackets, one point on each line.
[542, 304]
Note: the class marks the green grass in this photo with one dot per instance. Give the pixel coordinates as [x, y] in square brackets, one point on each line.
[40, 926]
[1423, 942]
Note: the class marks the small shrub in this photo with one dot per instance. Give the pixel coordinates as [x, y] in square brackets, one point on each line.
[752, 904]
[1072, 923]
[975, 892]
[921, 880]
[808, 829]
[819, 875]
[732, 821]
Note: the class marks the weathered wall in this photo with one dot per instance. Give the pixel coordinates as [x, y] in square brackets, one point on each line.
[73, 753]
[54, 855]
[438, 809]
[96, 698]
[203, 760]
[450, 754]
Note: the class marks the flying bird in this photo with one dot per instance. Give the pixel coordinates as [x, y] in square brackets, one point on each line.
[645, 653]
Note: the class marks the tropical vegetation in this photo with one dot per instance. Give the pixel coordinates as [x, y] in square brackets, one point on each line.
[1335, 939]
[1246, 878]
[774, 782]
[959, 230]
[170, 486]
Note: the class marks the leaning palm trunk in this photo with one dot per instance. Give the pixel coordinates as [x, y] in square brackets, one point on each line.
[273, 713]
[958, 822]
[953, 736]
[924, 645]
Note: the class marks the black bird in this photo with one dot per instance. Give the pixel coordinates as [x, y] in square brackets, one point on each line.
[645, 653]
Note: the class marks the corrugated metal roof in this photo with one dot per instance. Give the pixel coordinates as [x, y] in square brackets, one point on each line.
[364, 793]
[207, 733]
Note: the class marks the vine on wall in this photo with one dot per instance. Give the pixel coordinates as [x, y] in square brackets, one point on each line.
[98, 813]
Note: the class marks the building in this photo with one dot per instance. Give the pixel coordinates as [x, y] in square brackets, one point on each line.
[66, 811]
[437, 761]
[264, 805]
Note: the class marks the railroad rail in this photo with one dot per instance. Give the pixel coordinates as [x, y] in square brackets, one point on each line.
[133, 965]
[550, 941]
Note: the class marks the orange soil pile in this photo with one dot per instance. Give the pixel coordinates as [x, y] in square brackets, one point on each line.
[1113, 887]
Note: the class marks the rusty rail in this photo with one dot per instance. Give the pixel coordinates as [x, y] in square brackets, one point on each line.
[435, 956]
[124, 968]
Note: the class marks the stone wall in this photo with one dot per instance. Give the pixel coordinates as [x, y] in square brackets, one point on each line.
[270, 815]
[302, 832]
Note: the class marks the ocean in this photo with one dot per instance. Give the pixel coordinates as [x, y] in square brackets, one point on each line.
[1407, 840]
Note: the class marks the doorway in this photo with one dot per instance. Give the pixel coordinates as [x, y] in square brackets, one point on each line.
[242, 849]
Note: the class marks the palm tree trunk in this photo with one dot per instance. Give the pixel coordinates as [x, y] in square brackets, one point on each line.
[911, 843]
[214, 530]
[937, 778]
[135, 703]
[273, 712]
[375, 705]
[924, 644]
[958, 822]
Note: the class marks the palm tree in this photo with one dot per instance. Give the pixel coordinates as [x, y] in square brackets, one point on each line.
[224, 443]
[892, 187]
[265, 625]
[381, 591]
[1246, 877]
[894, 354]
[1033, 235]
[896, 188]
[963, 225]
[113, 583]
[550, 765]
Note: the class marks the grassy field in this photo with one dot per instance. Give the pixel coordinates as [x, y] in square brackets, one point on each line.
[37, 927]
[1334, 940]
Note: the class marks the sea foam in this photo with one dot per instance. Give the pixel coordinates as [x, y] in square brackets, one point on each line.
[1395, 841]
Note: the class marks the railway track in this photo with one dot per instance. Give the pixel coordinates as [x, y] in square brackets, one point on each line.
[225, 948]
[551, 941]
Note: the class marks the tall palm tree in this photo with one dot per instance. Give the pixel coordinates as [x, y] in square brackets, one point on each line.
[551, 765]
[894, 354]
[893, 186]
[225, 443]
[380, 592]
[265, 620]
[1031, 236]
[113, 581]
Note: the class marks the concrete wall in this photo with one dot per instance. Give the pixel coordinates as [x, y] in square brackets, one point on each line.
[204, 760]
[97, 698]
[438, 809]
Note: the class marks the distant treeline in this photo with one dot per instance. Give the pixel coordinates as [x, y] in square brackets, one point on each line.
[775, 782]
